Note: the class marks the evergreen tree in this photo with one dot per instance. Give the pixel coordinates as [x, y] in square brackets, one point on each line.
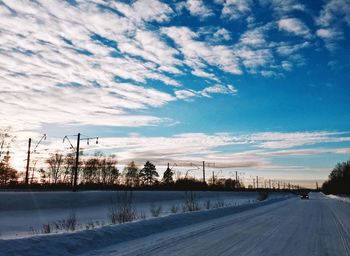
[168, 176]
[131, 173]
[148, 173]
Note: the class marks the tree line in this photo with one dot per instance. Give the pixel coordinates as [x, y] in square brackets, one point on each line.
[338, 180]
[98, 171]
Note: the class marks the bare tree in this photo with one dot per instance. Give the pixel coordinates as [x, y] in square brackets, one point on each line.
[90, 170]
[55, 163]
[109, 170]
[7, 173]
[68, 173]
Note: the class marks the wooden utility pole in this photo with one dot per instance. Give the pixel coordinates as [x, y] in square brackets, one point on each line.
[257, 182]
[28, 161]
[204, 171]
[76, 164]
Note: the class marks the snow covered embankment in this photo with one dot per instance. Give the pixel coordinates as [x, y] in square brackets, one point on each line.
[24, 214]
[345, 199]
[83, 241]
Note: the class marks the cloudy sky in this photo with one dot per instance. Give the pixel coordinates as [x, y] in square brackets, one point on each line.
[259, 86]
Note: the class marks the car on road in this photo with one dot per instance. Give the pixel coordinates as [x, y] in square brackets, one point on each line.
[304, 196]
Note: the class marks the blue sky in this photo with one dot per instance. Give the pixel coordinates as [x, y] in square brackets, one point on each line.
[259, 86]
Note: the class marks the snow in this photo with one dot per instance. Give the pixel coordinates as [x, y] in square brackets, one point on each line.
[279, 226]
[319, 226]
[22, 211]
[345, 199]
[89, 240]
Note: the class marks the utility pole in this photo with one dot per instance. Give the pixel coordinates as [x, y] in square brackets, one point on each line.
[257, 182]
[28, 161]
[236, 183]
[203, 171]
[77, 152]
[76, 164]
[269, 184]
[213, 178]
[28, 156]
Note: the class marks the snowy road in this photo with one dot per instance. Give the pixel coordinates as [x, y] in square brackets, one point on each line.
[319, 226]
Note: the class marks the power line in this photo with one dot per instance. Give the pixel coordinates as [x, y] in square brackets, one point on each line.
[28, 155]
[77, 152]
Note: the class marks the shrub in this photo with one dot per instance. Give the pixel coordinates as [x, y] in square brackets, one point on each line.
[174, 208]
[262, 195]
[122, 209]
[219, 203]
[155, 210]
[207, 204]
[191, 203]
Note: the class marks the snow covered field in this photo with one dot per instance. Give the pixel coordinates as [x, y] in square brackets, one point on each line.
[280, 226]
[21, 212]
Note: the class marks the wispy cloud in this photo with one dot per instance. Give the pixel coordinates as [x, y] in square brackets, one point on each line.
[278, 140]
[145, 10]
[294, 26]
[283, 7]
[198, 8]
[235, 9]
[334, 16]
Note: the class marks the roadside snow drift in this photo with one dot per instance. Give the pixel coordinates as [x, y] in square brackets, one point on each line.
[24, 213]
[87, 240]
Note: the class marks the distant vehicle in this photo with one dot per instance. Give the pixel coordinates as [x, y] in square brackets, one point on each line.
[304, 195]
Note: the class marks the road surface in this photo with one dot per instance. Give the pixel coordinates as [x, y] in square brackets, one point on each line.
[319, 226]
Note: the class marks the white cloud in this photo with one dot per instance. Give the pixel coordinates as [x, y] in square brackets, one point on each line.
[145, 10]
[334, 11]
[207, 91]
[286, 50]
[334, 15]
[235, 9]
[218, 88]
[283, 7]
[325, 33]
[185, 94]
[253, 37]
[53, 72]
[287, 65]
[201, 73]
[222, 34]
[198, 8]
[275, 140]
[294, 26]
[198, 53]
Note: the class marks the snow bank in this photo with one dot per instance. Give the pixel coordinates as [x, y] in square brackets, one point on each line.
[345, 199]
[84, 241]
[22, 211]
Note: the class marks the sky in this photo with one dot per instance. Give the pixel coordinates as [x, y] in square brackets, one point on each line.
[256, 86]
